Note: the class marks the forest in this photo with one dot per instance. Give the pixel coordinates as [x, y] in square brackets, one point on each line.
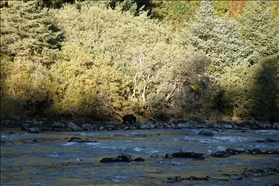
[159, 60]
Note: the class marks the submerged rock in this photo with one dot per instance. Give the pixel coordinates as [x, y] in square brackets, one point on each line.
[154, 156]
[79, 140]
[192, 178]
[235, 177]
[139, 159]
[270, 140]
[206, 133]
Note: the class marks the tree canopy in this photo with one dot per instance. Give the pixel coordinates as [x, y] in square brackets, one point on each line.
[88, 59]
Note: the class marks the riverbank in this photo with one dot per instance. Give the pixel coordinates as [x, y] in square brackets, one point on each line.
[39, 126]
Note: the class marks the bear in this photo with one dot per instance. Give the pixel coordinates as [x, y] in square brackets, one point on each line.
[130, 118]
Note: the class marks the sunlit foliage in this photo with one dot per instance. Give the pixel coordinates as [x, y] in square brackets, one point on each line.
[218, 37]
[134, 64]
[26, 32]
[100, 60]
[260, 29]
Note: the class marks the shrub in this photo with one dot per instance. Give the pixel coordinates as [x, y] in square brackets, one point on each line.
[26, 82]
[11, 108]
[252, 90]
[133, 64]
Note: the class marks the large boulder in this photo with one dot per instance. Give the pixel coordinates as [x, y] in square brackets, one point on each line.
[275, 125]
[148, 125]
[34, 130]
[73, 127]
[227, 126]
[235, 177]
[88, 127]
[184, 125]
[58, 125]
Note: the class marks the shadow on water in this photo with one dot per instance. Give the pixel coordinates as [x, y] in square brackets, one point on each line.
[266, 89]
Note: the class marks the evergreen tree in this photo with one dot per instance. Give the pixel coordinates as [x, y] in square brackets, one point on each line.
[26, 32]
[259, 29]
[217, 37]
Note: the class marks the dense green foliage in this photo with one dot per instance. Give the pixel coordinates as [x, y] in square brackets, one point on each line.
[217, 37]
[174, 13]
[259, 29]
[26, 32]
[122, 64]
[252, 90]
[241, 54]
[93, 60]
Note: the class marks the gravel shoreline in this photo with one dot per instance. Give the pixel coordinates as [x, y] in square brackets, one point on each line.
[38, 126]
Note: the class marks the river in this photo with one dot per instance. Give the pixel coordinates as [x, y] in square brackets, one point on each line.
[50, 159]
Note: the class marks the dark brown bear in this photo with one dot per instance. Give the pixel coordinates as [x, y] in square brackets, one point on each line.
[130, 118]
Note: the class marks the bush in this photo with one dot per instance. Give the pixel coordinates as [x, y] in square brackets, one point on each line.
[136, 65]
[252, 90]
[11, 108]
[26, 82]
[110, 63]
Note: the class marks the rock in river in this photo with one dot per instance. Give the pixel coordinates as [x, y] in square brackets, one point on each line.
[183, 154]
[206, 133]
[120, 158]
[34, 130]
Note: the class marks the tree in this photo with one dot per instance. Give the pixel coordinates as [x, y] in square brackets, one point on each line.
[27, 32]
[259, 29]
[217, 37]
[136, 65]
[252, 90]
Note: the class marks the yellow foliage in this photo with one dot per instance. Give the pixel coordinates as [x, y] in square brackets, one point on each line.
[26, 81]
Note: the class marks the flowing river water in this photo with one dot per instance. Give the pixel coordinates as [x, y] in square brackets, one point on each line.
[49, 159]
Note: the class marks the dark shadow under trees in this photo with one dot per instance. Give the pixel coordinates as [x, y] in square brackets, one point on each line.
[265, 91]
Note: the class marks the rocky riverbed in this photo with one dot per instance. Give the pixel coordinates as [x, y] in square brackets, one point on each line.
[102, 153]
